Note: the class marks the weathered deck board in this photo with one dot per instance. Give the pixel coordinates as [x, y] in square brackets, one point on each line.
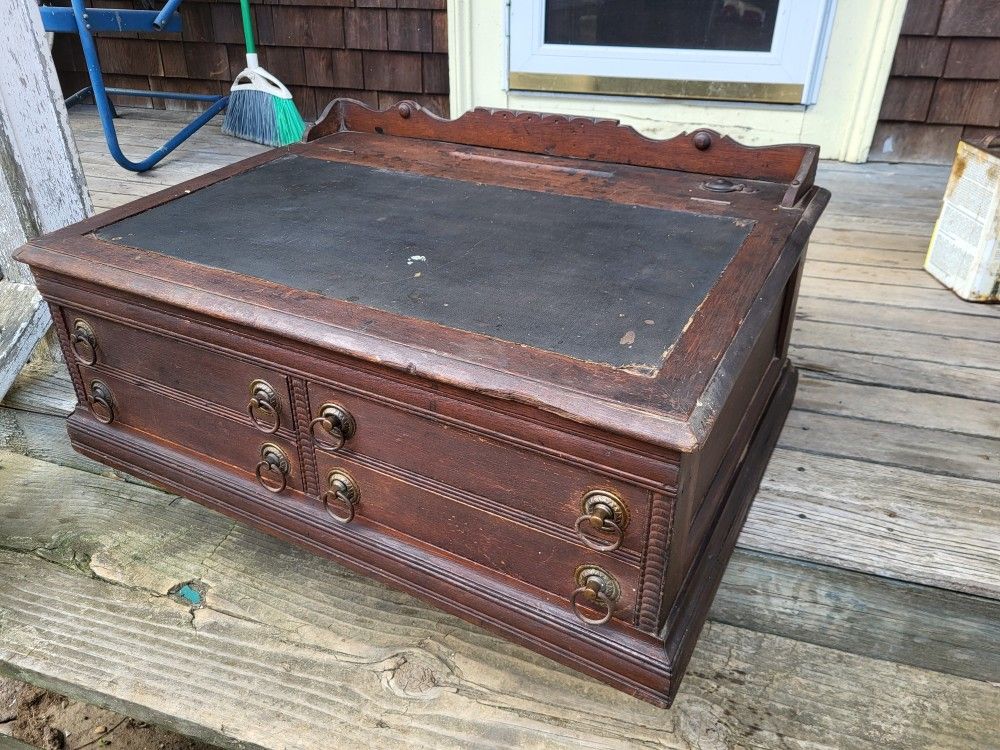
[884, 404]
[981, 384]
[883, 443]
[925, 347]
[865, 256]
[901, 523]
[297, 646]
[786, 597]
[887, 468]
[861, 614]
[898, 318]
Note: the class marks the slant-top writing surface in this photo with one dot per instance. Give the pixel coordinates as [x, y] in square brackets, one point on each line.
[604, 282]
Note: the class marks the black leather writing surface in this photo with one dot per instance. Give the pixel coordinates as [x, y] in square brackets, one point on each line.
[597, 281]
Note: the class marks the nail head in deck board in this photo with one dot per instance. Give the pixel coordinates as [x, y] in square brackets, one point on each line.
[472, 260]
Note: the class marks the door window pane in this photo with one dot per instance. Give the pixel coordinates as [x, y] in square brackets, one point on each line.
[742, 25]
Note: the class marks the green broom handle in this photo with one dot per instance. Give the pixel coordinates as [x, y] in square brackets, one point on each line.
[247, 26]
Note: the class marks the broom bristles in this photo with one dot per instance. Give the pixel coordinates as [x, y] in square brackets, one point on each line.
[263, 118]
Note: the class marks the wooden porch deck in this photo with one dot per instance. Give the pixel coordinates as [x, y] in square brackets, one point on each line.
[861, 610]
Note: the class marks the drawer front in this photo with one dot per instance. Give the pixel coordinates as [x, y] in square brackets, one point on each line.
[181, 366]
[515, 477]
[433, 516]
[128, 404]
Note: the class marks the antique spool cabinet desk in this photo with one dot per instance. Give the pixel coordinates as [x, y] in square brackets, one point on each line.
[527, 367]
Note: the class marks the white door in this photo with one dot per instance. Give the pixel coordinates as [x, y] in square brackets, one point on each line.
[744, 50]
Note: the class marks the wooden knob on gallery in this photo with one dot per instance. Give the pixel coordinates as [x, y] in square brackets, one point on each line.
[596, 590]
[333, 427]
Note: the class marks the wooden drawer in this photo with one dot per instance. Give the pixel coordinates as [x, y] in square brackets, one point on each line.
[526, 481]
[181, 366]
[175, 420]
[435, 515]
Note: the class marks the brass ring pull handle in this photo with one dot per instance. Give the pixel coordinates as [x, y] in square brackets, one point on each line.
[102, 402]
[273, 463]
[264, 401]
[337, 422]
[605, 513]
[84, 342]
[601, 591]
[344, 492]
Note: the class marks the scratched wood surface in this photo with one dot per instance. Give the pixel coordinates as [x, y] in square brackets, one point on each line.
[861, 609]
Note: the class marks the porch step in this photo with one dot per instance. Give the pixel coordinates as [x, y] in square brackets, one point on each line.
[305, 654]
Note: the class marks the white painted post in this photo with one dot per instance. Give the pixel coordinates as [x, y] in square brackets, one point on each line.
[42, 187]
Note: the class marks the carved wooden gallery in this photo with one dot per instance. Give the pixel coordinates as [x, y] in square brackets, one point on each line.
[526, 367]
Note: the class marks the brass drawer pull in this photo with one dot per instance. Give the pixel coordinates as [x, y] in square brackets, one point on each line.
[337, 422]
[605, 513]
[84, 342]
[102, 402]
[599, 588]
[264, 402]
[344, 492]
[273, 463]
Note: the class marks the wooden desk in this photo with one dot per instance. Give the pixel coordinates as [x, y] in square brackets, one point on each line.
[530, 368]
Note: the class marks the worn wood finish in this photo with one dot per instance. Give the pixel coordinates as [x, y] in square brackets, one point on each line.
[680, 446]
[601, 140]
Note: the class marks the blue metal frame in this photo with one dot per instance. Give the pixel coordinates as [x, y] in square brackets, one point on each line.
[81, 20]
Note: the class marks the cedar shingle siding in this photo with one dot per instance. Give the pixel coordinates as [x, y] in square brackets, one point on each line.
[378, 51]
[944, 83]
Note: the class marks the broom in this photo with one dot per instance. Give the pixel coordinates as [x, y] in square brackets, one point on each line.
[260, 107]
